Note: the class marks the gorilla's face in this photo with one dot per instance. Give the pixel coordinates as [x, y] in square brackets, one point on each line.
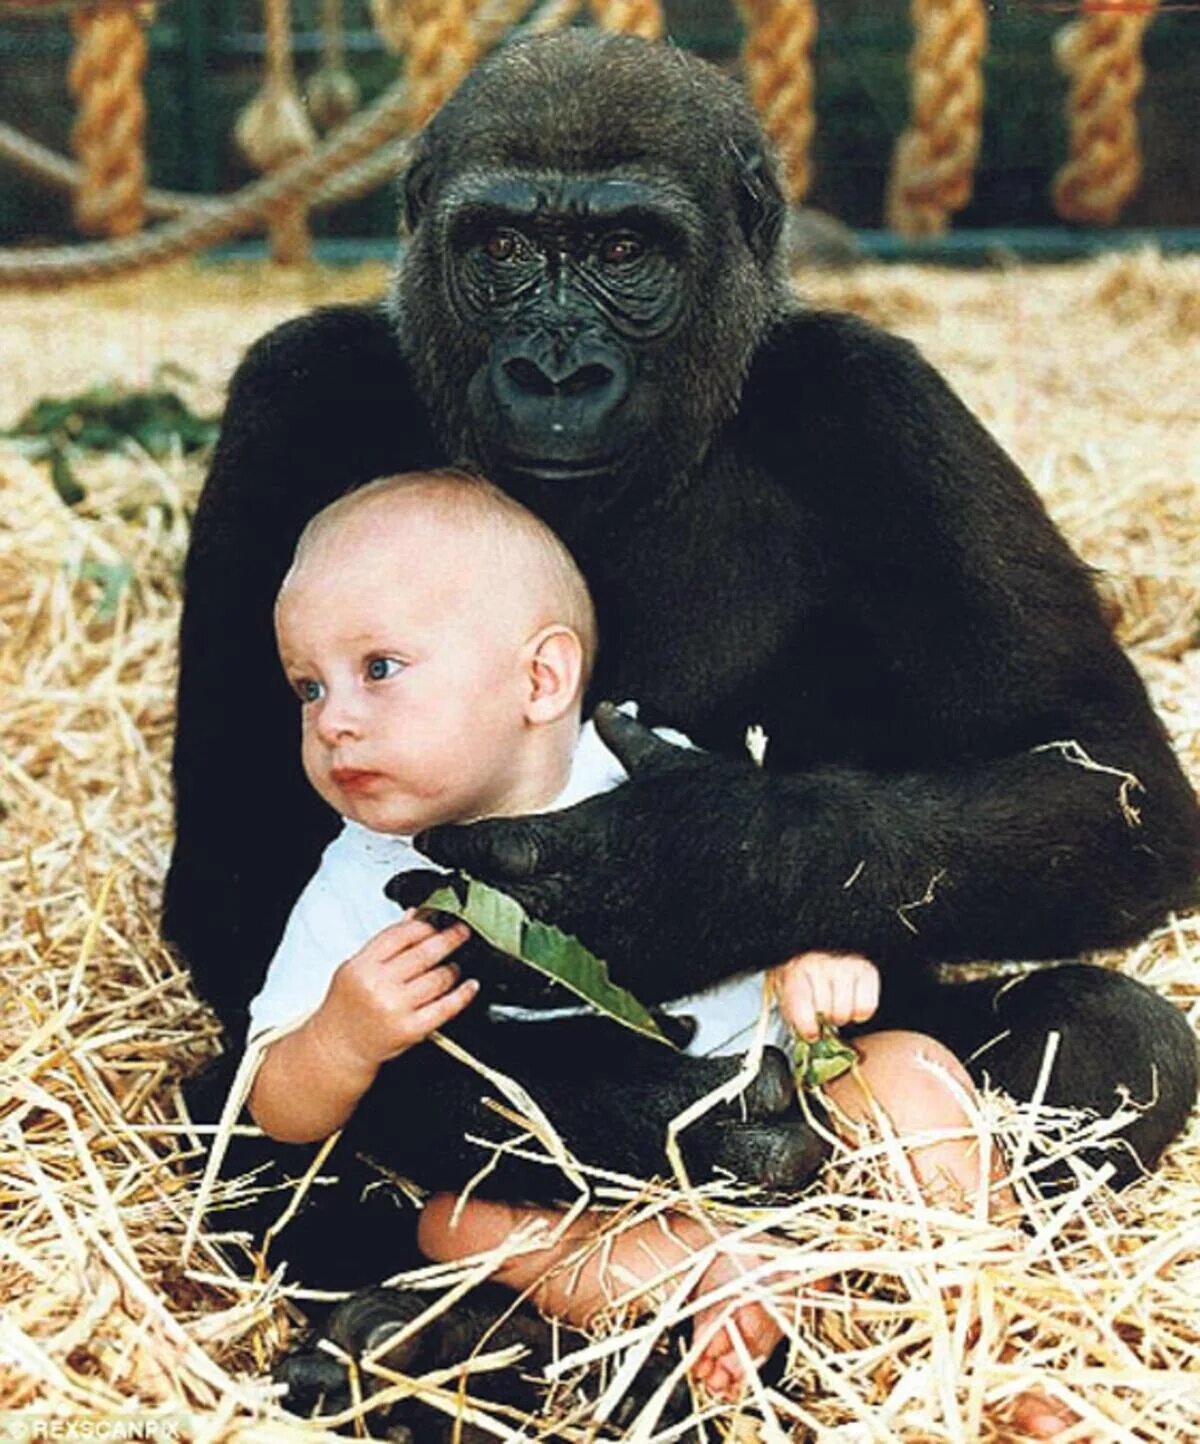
[573, 288]
[594, 259]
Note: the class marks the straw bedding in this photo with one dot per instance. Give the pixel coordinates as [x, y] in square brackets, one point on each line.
[911, 1322]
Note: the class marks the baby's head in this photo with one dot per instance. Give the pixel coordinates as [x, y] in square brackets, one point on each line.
[439, 637]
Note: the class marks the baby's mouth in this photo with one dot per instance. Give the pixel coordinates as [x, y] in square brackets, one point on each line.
[353, 779]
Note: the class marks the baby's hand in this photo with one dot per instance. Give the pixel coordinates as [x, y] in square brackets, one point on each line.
[835, 988]
[393, 993]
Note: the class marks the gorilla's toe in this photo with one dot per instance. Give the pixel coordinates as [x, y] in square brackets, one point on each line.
[370, 1317]
[315, 1383]
[773, 1090]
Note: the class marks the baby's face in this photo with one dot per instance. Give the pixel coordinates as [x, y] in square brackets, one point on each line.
[407, 664]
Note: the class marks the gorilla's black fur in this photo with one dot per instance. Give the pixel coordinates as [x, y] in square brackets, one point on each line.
[786, 518]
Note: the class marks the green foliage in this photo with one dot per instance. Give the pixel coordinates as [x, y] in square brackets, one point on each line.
[822, 1060]
[501, 921]
[108, 418]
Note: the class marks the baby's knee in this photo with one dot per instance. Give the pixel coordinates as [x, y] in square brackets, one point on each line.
[916, 1079]
[436, 1238]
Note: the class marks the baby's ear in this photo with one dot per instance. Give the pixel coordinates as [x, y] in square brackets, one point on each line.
[554, 671]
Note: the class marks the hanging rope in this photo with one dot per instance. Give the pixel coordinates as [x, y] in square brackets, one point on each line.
[441, 49]
[495, 18]
[274, 129]
[551, 15]
[630, 17]
[390, 19]
[1101, 53]
[777, 55]
[105, 79]
[935, 157]
[331, 93]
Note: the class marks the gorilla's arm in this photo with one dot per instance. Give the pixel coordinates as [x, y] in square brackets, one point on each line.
[319, 405]
[987, 811]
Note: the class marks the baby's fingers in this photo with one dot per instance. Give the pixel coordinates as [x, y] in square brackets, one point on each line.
[866, 993]
[438, 1013]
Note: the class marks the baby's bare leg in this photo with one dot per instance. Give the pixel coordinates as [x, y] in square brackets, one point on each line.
[571, 1281]
[565, 1279]
[922, 1088]
[895, 1072]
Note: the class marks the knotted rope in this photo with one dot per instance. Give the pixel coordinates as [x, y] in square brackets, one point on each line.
[274, 129]
[1101, 53]
[441, 50]
[349, 162]
[105, 79]
[332, 92]
[779, 75]
[935, 157]
[630, 17]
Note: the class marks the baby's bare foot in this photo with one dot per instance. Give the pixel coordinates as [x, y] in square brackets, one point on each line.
[720, 1367]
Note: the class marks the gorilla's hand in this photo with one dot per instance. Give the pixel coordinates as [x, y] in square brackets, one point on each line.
[502, 977]
[671, 878]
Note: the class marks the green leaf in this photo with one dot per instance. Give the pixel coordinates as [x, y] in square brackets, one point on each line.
[501, 921]
[822, 1060]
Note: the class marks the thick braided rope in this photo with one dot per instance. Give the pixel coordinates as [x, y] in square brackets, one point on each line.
[779, 75]
[210, 223]
[1101, 53]
[630, 17]
[934, 159]
[441, 50]
[105, 79]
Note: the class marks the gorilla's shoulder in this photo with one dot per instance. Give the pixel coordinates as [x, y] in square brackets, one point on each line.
[835, 352]
[327, 347]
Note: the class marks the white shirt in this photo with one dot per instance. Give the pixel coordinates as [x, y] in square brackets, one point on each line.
[343, 907]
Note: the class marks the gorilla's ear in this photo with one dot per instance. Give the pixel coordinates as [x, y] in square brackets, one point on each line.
[414, 190]
[761, 207]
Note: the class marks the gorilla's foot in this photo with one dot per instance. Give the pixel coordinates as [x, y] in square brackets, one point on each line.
[319, 1385]
[782, 1154]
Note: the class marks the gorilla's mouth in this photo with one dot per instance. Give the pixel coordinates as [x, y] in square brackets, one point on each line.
[538, 469]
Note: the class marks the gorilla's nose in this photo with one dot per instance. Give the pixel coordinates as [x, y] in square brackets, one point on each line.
[542, 384]
[528, 376]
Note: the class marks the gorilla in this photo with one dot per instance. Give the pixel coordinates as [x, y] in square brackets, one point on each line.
[787, 519]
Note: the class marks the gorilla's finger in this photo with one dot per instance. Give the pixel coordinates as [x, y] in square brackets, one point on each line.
[496, 851]
[410, 889]
[636, 747]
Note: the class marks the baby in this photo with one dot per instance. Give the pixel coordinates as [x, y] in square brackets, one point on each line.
[440, 680]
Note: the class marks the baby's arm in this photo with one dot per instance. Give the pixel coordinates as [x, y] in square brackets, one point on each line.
[391, 994]
[834, 988]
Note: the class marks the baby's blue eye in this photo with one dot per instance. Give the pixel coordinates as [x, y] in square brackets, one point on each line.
[308, 690]
[379, 669]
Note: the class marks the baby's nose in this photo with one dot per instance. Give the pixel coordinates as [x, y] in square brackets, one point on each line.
[337, 718]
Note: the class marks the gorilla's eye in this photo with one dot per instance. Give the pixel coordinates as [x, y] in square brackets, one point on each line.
[503, 245]
[620, 249]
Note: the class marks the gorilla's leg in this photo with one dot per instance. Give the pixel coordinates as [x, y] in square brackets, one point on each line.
[1118, 1041]
[610, 1095]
